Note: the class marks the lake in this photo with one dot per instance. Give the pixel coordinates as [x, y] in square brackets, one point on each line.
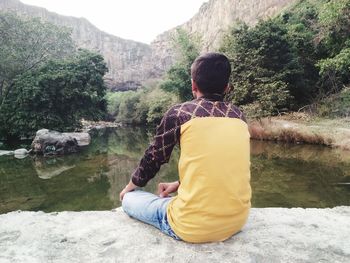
[283, 175]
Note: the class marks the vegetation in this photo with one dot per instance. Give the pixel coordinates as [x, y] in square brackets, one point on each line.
[145, 106]
[336, 105]
[178, 78]
[44, 81]
[26, 44]
[286, 62]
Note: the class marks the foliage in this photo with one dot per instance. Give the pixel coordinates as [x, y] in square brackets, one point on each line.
[265, 67]
[335, 71]
[288, 61]
[336, 105]
[146, 106]
[26, 44]
[178, 78]
[55, 96]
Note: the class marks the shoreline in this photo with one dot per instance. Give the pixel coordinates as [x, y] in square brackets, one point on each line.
[331, 133]
[295, 128]
[270, 235]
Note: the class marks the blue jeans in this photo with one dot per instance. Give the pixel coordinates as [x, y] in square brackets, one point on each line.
[149, 208]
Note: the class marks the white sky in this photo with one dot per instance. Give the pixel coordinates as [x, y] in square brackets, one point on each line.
[140, 20]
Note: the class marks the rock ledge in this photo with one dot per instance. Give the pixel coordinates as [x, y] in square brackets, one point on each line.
[271, 235]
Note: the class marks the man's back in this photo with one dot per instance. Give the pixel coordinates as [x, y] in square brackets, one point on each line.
[213, 199]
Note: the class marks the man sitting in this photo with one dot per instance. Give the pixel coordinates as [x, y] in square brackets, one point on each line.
[213, 191]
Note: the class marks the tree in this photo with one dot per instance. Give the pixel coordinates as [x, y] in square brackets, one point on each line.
[265, 67]
[26, 44]
[55, 96]
[178, 78]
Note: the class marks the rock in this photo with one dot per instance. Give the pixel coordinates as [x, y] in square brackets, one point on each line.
[270, 235]
[83, 138]
[131, 63]
[48, 142]
[21, 153]
[223, 15]
[123, 57]
[5, 152]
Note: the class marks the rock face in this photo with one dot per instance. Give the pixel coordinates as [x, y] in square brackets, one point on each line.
[48, 142]
[129, 62]
[124, 58]
[211, 22]
[271, 235]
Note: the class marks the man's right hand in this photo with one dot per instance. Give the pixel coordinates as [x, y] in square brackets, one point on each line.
[164, 189]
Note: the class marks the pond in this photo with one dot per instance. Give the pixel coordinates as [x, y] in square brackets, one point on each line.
[283, 175]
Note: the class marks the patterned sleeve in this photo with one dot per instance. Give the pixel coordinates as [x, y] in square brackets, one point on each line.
[159, 151]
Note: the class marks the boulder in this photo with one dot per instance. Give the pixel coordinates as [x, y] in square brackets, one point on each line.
[21, 153]
[83, 138]
[48, 142]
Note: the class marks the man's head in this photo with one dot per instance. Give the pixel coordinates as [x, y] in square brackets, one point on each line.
[210, 74]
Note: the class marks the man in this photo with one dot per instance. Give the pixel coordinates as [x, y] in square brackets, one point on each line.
[214, 192]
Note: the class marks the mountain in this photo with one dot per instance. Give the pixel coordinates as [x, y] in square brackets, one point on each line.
[213, 19]
[130, 62]
[125, 58]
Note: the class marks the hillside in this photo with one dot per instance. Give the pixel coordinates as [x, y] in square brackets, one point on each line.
[125, 58]
[130, 62]
[213, 19]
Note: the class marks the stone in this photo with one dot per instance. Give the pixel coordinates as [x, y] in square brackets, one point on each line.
[270, 235]
[83, 138]
[21, 151]
[48, 142]
[2, 152]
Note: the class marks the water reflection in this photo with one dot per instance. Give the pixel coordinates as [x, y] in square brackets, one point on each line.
[282, 175]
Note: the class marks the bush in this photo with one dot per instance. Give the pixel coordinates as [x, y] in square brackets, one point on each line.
[336, 105]
[55, 96]
[145, 106]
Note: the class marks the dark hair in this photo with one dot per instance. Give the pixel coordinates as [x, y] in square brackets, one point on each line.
[211, 72]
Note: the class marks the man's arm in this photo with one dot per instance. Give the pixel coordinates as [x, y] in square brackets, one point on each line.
[158, 153]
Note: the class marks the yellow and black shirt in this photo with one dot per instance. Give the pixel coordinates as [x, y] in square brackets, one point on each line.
[213, 198]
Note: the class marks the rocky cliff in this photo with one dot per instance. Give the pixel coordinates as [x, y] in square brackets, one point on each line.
[125, 58]
[213, 19]
[129, 62]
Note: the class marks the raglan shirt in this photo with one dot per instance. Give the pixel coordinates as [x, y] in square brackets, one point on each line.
[214, 195]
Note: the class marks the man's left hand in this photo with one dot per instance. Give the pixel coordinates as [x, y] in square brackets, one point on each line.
[128, 188]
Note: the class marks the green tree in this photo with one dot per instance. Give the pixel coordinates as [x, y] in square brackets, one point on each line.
[265, 67]
[55, 96]
[26, 44]
[178, 78]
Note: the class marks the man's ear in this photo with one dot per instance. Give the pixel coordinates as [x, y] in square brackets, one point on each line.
[195, 89]
[194, 86]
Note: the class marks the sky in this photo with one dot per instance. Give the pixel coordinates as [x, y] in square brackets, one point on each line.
[140, 20]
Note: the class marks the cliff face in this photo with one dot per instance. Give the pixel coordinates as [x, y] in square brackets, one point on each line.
[123, 57]
[130, 62]
[213, 19]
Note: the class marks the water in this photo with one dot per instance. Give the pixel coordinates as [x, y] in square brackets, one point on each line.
[282, 175]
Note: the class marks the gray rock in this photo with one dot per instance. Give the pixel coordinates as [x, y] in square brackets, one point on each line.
[21, 151]
[48, 142]
[83, 138]
[271, 235]
[2, 152]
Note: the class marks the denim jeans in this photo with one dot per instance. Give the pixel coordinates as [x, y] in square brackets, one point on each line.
[149, 208]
